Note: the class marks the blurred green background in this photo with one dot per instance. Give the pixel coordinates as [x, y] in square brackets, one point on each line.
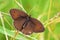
[46, 11]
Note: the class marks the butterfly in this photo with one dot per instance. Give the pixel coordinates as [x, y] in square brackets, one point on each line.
[25, 23]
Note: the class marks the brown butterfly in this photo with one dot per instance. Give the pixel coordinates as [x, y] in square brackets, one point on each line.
[25, 23]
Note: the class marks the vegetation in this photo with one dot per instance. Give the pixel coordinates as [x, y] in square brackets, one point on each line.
[46, 11]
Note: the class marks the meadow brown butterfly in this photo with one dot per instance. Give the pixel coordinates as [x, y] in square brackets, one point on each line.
[25, 23]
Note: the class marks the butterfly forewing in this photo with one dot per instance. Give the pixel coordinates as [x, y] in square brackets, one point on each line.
[15, 13]
[38, 27]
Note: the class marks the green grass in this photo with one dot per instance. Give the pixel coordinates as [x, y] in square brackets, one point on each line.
[46, 11]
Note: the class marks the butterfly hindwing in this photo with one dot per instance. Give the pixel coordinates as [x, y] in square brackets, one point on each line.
[18, 23]
[28, 29]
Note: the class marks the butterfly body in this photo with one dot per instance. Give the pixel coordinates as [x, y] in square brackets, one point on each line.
[25, 23]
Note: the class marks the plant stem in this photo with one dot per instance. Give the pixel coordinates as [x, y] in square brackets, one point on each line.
[3, 26]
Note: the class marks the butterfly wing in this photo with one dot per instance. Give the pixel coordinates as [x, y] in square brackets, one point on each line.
[15, 13]
[28, 29]
[19, 23]
[19, 18]
[38, 27]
